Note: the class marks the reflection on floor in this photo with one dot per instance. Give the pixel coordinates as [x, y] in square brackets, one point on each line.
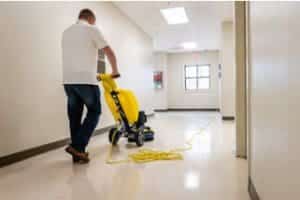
[209, 172]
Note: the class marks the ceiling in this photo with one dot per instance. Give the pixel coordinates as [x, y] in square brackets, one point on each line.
[204, 25]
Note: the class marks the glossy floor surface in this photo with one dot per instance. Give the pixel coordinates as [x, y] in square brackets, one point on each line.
[209, 171]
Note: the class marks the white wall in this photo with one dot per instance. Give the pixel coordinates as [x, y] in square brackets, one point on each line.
[177, 96]
[275, 99]
[161, 95]
[32, 100]
[228, 70]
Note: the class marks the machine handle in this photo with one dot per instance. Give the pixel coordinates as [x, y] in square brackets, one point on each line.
[112, 76]
[116, 76]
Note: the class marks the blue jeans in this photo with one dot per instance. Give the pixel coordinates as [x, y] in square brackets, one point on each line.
[78, 97]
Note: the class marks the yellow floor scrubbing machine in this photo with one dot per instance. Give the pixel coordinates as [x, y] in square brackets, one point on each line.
[125, 110]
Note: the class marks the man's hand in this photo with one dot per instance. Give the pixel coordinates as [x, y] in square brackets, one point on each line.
[112, 59]
[115, 75]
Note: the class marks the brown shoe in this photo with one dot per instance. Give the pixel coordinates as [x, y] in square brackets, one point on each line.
[77, 160]
[77, 156]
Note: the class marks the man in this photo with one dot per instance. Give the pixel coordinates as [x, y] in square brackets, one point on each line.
[80, 46]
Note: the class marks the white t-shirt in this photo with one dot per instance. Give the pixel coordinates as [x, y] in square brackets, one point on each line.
[80, 45]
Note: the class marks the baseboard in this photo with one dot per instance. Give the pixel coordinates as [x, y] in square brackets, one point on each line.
[231, 118]
[188, 109]
[103, 130]
[22, 155]
[25, 154]
[242, 157]
[150, 114]
[160, 110]
[252, 191]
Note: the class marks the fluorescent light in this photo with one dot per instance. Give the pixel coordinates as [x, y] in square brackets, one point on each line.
[175, 15]
[189, 45]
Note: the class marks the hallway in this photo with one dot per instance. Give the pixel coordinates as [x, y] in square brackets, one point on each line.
[209, 171]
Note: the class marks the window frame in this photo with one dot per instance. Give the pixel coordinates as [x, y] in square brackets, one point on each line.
[197, 77]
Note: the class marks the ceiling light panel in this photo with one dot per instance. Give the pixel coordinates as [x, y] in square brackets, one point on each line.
[175, 15]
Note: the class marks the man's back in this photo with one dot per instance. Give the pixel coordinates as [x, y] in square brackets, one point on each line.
[80, 45]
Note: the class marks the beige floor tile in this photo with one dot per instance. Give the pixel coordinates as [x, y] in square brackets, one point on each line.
[209, 171]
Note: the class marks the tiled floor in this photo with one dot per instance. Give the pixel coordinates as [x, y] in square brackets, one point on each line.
[209, 171]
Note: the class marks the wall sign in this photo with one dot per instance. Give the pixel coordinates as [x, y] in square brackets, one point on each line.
[158, 79]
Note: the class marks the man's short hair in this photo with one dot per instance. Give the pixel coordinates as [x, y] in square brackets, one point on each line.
[86, 13]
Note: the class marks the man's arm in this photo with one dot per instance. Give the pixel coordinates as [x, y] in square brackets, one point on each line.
[100, 43]
[112, 59]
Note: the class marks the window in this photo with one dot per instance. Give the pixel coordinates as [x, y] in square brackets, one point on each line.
[197, 77]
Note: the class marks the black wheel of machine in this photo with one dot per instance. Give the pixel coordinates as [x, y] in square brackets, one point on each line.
[148, 134]
[114, 136]
[139, 140]
[111, 132]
